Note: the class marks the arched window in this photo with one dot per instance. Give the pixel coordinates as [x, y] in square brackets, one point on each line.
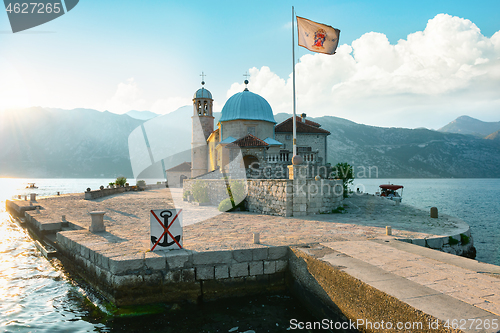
[205, 108]
[200, 111]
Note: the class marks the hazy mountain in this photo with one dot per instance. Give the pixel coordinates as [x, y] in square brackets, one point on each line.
[141, 115]
[410, 153]
[469, 125]
[38, 142]
[494, 136]
[44, 142]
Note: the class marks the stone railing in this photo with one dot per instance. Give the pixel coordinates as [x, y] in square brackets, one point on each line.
[286, 157]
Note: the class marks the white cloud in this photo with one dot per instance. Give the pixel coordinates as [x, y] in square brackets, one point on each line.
[127, 97]
[433, 76]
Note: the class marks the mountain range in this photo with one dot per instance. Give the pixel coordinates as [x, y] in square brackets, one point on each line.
[45, 142]
[472, 126]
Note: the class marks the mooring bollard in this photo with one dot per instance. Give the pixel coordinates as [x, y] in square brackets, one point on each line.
[388, 230]
[97, 222]
[434, 212]
[256, 238]
[32, 196]
[63, 218]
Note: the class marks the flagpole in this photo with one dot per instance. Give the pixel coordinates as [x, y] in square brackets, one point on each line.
[294, 151]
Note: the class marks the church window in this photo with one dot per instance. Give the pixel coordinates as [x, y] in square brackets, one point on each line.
[199, 109]
[288, 137]
[251, 130]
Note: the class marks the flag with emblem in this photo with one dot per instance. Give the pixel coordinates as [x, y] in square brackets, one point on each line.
[317, 37]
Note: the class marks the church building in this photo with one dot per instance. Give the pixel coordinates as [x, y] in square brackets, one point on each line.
[247, 125]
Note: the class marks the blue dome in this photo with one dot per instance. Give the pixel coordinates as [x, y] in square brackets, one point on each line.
[202, 93]
[247, 105]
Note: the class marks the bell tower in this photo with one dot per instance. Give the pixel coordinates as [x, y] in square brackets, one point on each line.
[203, 126]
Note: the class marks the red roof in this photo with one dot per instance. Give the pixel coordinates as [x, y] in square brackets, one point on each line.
[307, 127]
[186, 166]
[308, 122]
[248, 141]
[391, 187]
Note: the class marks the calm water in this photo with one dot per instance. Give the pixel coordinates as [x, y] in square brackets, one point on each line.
[37, 295]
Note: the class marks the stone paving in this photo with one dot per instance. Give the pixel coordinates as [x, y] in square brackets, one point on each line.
[443, 273]
[127, 218]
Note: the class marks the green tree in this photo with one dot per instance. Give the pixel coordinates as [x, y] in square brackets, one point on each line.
[345, 172]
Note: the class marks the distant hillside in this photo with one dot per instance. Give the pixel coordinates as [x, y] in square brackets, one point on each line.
[141, 115]
[472, 126]
[410, 153]
[38, 142]
[42, 142]
[494, 136]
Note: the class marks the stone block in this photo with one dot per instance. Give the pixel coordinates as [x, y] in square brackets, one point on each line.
[221, 272]
[154, 279]
[259, 254]
[177, 258]
[155, 261]
[238, 270]
[188, 275]
[243, 255]
[122, 281]
[205, 273]
[277, 252]
[281, 265]
[212, 257]
[122, 264]
[173, 276]
[269, 267]
[256, 268]
[84, 252]
[418, 241]
[435, 243]
[302, 207]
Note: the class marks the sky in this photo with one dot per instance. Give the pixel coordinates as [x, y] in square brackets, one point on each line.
[398, 64]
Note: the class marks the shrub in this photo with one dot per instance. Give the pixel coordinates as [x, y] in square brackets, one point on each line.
[237, 191]
[465, 239]
[121, 181]
[452, 241]
[225, 205]
[200, 192]
[186, 194]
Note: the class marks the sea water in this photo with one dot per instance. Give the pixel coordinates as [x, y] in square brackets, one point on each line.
[38, 295]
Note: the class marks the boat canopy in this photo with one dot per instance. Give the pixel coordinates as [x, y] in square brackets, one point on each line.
[391, 187]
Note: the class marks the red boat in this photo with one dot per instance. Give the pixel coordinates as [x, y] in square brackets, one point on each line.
[391, 192]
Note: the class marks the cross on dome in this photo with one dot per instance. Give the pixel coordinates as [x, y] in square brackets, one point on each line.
[203, 78]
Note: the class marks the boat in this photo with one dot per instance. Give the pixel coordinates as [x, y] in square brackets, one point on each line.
[391, 192]
[31, 185]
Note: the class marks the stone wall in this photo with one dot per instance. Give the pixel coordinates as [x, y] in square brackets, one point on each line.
[178, 275]
[281, 197]
[216, 188]
[92, 195]
[316, 196]
[270, 196]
